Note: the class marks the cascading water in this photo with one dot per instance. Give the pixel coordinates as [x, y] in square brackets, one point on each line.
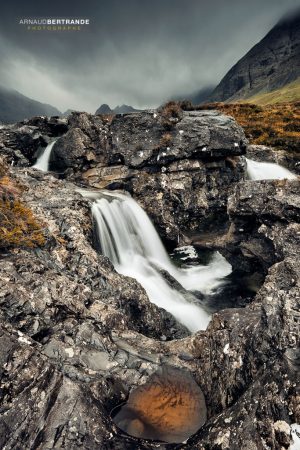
[130, 240]
[267, 171]
[42, 163]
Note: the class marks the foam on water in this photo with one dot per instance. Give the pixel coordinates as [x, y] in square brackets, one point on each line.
[129, 239]
[267, 171]
[42, 163]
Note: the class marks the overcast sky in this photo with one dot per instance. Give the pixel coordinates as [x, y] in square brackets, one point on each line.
[138, 52]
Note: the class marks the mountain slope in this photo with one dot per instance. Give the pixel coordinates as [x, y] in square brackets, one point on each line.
[271, 64]
[15, 107]
[288, 93]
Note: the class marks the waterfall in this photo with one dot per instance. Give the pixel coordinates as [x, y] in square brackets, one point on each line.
[267, 171]
[42, 163]
[129, 239]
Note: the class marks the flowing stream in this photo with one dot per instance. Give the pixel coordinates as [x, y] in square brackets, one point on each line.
[267, 171]
[42, 163]
[129, 239]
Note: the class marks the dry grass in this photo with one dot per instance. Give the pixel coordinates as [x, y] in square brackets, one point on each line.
[166, 140]
[107, 118]
[170, 114]
[275, 125]
[18, 227]
[288, 93]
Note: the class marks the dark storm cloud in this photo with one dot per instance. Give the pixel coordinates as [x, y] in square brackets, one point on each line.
[134, 51]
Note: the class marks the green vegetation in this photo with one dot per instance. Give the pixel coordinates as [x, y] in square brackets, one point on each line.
[289, 93]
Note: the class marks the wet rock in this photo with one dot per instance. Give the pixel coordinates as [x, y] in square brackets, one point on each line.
[170, 407]
[76, 337]
[19, 143]
[262, 153]
[189, 166]
[83, 144]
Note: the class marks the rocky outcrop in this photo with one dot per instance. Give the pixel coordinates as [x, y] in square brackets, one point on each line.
[76, 337]
[271, 64]
[188, 163]
[188, 160]
[21, 143]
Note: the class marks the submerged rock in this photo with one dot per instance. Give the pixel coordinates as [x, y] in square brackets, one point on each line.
[170, 407]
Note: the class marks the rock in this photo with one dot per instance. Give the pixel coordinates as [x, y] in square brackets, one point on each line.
[76, 338]
[170, 407]
[189, 165]
[84, 142]
[268, 154]
[22, 142]
[187, 177]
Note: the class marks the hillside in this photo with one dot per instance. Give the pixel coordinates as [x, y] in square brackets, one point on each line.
[275, 125]
[270, 65]
[288, 93]
[15, 107]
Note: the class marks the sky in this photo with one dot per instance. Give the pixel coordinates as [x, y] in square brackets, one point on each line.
[137, 52]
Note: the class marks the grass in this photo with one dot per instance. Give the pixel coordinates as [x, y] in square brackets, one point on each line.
[166, 140]
[170, 113]
[289, 93]
[275, 125]
[18, 226]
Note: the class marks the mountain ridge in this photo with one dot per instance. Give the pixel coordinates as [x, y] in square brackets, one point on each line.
[15, 107]
[123, 109]
[271, 64]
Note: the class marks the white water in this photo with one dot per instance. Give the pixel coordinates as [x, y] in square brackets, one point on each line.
[130, 240]
[43, 160]
[295, 432]
[267, 171]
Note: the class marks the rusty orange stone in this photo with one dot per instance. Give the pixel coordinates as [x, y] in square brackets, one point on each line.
[170, 407]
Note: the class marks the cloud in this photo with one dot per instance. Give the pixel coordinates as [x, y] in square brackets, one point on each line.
[135, 52]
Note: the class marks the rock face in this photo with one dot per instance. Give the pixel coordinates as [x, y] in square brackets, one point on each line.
[22, 142]
[76, 337]
[271, 64]
[187, 163]
[187, 160]
[269, 154]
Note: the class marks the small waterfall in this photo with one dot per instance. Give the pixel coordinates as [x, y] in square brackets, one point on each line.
[42, 163]
[129, 239]
[267, 171]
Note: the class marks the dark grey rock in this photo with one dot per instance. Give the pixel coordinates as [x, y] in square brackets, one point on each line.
[269, 65]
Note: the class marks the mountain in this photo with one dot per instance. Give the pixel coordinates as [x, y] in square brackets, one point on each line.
[288, 93]
[270, 65]
[198, 97]
[68, 112]
[201, 96]
[123, 109]
[15, 107]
